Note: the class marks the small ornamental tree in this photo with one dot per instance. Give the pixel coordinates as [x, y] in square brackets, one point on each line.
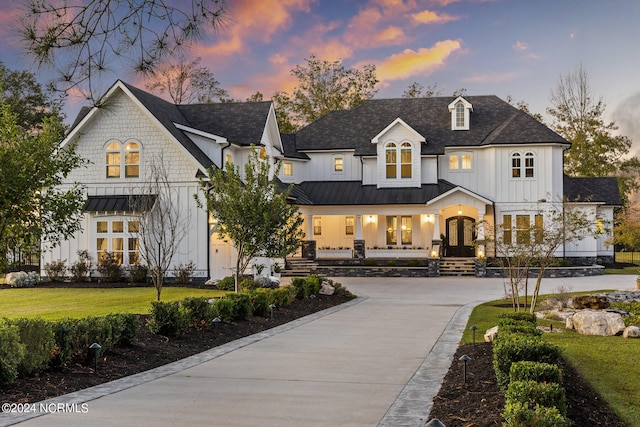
[537, 243]
[253, 213]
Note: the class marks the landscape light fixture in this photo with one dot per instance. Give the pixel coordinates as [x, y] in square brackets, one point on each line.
[474, 328]
[465, 359]
[272, 306]
[95, 347]
[215, 321]
[434, 423]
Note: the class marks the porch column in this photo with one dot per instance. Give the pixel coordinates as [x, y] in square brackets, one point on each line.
[309, 227]
[436, 241]
[481, 251]
[358, 227]
[358, 242]
[309, 245]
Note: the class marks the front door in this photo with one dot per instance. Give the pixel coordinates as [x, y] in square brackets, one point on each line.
[461, 234]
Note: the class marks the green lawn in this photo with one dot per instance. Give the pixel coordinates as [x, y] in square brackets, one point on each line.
[608, 363]
[56, 303]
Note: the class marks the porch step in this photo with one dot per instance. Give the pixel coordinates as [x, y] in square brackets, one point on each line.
[457, 267]
[298, 267]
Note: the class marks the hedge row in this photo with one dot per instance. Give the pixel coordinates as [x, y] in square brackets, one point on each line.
[527, 371]
[29, 346]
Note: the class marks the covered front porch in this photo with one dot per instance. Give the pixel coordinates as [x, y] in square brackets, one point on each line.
[451, 225]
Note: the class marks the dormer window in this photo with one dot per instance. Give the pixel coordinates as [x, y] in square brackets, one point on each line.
[123, 158]
[460, 117]
[395, 168]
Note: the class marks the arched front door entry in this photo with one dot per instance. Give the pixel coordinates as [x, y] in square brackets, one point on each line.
[461, 234]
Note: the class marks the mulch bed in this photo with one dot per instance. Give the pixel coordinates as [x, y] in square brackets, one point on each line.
[151, 351]
[478, 402]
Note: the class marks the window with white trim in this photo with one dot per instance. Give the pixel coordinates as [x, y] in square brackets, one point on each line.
[120, 238]
[338, 164]
[460, 115]
[460, 161]
[123, 158]
[523, 166]
[317, 226]
[350, 226]
[398, 160]
[399, 226]
[287, 169]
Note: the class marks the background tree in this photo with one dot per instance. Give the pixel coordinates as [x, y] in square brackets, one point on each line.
[323, 86]
[162, 224]
[627, 230]
[417, 90]
[595, 151]
[82, 40]
[33, 205]
[27, 99]
[253, 213]
[187, 83]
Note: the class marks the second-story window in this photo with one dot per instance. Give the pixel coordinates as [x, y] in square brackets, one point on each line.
[287, 169]
[398, 160]
[523, 168]
[338, 164]
[121, 159]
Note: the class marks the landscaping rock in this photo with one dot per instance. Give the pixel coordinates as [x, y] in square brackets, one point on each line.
[631, 332]
[595, 302]
[491, 334]
[327, 289]
[595, 322]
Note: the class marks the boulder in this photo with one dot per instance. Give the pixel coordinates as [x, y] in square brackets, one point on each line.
[569, 323]
[631, 332]
[326, 289]
[597, 322]
[491, 334]
[594, 302]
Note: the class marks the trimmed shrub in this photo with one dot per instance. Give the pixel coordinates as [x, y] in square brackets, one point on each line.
[138, 273]
[523, 328]
[39, 341]
[281, 297]
[227, 284]
[248, 284]
[223, 308]
[198, 311]
[11, 352]
[56, 270]
[517, 414]
[129, 333]
[63, 351]
[515, 318]
[509, 348]
[301, 287]
[259, 301]
[314, 282]
[109, 268]
[241, 306]
[184, 272]
[534, 394]
[81, 268]
[166, 318]
[535, 371]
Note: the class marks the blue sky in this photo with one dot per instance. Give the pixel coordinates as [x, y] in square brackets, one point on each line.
[501, 47]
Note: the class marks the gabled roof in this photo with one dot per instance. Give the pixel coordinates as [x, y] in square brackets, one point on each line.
[493, 122]
[241, 123]
[289, 147]
[330, 193]
[602, 189]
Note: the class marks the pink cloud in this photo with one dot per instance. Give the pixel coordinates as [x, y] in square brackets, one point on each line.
[491, 78]
[430, 17]
[412, 63]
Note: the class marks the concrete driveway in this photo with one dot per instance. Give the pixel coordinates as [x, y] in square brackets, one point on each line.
[377, 361]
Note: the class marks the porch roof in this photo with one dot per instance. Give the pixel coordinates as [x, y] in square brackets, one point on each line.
[354, 193]
[118, 203]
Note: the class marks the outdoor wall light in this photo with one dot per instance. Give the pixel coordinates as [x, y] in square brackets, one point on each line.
[95, 347]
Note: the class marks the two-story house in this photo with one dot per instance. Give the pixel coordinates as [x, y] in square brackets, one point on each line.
[392, 178]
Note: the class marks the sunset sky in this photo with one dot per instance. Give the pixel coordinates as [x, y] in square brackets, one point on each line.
[501, 47]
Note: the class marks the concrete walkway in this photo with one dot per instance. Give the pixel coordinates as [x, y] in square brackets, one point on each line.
[379, 360]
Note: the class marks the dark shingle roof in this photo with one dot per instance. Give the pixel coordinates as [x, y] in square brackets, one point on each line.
[289, 147]
[354, 193]
[492, 121]
[603, 189]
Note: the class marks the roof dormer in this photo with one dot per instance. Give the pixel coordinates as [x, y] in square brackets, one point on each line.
[460, 109]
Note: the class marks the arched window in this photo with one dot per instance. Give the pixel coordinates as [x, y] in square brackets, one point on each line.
[113, 160]
[528, 165]
[516, 164]
[391, 157]
[132, 160]
[405, 160]
[460, 115]
[121, 159]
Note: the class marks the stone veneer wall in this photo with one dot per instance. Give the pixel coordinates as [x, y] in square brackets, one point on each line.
[583, 271]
